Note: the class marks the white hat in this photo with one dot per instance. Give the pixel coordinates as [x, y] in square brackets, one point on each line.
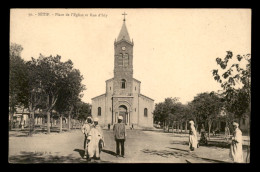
[236, 124]
[191, 122]
[95, 120]
[120, 117]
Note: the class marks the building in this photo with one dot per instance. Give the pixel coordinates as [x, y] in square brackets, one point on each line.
[123, 95]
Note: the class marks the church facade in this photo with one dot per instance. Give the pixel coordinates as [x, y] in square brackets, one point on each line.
[123, 94]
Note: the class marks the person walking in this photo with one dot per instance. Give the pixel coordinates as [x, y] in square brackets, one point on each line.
[95, 141]
[85, 130]
[120, 136]
[236, 151]
[193, 141]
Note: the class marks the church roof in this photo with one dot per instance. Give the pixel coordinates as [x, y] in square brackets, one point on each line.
[98, 96]
[146, 97]
[123, 34]
[136, 80]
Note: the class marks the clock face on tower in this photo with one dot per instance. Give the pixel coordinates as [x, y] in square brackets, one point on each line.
[123, 48]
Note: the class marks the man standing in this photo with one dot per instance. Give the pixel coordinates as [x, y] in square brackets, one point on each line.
[120, 136]
[85, 130]
[236, 152]
[193, 141]
[96, 141]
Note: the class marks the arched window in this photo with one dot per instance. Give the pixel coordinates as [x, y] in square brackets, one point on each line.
[126, 60]
[120, 59]
[99, 111]
[145, 112]
[123, 83]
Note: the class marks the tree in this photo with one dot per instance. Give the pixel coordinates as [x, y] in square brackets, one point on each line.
[207, 106]
[235, 79]
[69, 95]
[81, 111]
[236, 83]
[33, 90]
[17, 80]
[187, 115]
[164, 111]
[182, 114]
[53, 77]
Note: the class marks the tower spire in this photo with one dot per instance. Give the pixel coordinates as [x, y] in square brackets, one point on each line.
[123, 35]
[124, 16]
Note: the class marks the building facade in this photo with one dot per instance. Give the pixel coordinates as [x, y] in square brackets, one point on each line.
[123, 96]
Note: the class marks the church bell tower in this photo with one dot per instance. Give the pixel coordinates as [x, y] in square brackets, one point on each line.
[123, 63]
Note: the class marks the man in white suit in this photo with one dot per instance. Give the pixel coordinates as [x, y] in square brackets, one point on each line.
[236, 151]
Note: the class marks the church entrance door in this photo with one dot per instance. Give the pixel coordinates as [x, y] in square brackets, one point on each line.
[123, 113]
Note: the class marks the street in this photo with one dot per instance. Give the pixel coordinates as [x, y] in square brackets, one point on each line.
[140, 147]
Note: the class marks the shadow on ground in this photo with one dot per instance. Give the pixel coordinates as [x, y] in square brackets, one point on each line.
[32, 157]
[80, 151]
[217, 144]
[166, 153]
[180, 153]
[109, 152]
[38, 130]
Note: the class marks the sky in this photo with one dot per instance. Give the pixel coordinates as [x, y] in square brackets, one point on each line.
[175, 50]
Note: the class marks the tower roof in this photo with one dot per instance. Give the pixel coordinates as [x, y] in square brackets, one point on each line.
[123, 34]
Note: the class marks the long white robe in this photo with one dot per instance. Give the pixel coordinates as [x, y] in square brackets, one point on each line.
[236, 151]
[193, 140]
[93, 146]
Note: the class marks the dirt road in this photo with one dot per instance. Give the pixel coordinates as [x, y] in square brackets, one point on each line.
[140, 147]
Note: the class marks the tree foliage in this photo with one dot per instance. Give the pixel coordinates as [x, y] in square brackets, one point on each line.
[17, 79]
[235, 79]
[46, 83]
[171, 111]
[206, 107]
[81, 111]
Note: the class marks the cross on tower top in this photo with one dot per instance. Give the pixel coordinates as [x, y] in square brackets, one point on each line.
[124, 15]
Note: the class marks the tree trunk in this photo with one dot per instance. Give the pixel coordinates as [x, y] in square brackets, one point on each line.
[172, 126]
[31, 124]
[22, 121]
[11, 118]
[48, 122]
[60, 123]
[186, 126]
[181, 127]
[209, 123]
[71, 108]
[69, 121]
[51, 120]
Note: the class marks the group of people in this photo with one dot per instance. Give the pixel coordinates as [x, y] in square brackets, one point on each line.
[236, 152]
[94, 139]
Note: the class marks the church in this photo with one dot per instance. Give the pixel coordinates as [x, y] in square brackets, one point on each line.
[123, 94]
